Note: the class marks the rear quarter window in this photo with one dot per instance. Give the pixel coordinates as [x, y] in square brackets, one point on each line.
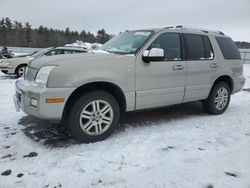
[228, 48]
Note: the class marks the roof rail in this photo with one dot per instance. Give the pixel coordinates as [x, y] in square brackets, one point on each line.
[169, 27]
[199, 29]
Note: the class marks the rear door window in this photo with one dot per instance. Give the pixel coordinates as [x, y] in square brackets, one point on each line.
[209, 54]
[228, 48]
[198, 47]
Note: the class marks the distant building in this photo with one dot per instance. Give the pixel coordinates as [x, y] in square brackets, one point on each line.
[245, 55]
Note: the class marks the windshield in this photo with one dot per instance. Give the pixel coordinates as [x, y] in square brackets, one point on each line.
[128, 42]
[39, 53]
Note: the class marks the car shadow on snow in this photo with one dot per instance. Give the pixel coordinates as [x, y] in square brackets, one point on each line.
[163, 115]
[7, 77]
[52, 135]
[56, 136]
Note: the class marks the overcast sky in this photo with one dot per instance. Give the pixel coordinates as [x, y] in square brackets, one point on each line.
[230, 16]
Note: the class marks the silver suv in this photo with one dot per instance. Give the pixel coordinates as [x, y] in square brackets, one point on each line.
[135, 70]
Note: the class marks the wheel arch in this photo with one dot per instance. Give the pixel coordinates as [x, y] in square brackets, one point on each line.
[227, 79]
[23, 64]
[110, 88]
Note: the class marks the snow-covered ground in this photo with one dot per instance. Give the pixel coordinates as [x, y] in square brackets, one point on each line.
[179, 146]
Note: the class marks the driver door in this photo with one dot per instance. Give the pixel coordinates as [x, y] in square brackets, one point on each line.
[161, 83]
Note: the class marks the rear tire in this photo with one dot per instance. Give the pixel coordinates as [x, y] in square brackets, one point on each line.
[218, 99]
[93, 117]
[20, 70]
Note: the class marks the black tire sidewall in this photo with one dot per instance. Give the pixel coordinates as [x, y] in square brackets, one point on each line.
[18, 69]
[209, 104]
[73, 123]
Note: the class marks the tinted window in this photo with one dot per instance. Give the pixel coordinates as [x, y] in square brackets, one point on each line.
[170, 43]
[69, 51]
[72, 51]
[198, 47]
[228, 48]
[54, 52]
[194, 47]
[209, 54]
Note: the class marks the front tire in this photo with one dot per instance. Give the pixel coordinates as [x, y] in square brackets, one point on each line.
[20, 70]
[218, 99]
[93, 116]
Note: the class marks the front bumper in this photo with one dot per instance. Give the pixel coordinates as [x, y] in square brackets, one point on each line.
[7, 70]
[25, 92]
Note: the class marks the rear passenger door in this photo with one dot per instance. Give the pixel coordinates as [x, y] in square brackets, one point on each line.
[201, 66]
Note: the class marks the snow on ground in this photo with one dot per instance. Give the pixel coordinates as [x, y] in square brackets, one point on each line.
[179, 146]
[246, 70]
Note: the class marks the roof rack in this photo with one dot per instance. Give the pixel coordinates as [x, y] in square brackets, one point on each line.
[169, 27]
[199, 29]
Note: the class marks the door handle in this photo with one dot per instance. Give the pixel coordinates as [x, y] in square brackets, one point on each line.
[178, 67]
[213, 65]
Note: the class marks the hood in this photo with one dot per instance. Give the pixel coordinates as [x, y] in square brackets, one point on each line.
[26, 59]
[74, 58]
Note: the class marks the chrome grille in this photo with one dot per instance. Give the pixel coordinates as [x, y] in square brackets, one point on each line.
[30, 74]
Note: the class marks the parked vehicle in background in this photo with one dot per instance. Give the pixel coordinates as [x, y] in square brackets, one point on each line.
[136, 70]
[245, 55]
[6, 53]
[1, 56]
[17, 65]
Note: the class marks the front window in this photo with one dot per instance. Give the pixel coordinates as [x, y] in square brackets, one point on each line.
[39, 53]
[128, 42]
[54, 52]
[171, 44]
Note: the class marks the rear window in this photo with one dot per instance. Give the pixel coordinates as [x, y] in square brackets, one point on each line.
[228, 48]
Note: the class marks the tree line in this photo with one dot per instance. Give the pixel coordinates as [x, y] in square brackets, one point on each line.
[18, 34]
[243, 45]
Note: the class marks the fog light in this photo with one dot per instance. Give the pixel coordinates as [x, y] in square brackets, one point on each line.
[33, 102]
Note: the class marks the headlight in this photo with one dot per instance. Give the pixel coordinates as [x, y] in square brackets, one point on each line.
[43, 75]
[5, 63]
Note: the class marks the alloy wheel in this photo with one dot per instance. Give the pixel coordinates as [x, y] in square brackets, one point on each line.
[96, 117]
[221, 98]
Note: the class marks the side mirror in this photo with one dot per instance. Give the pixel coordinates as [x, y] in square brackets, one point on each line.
[155, 54]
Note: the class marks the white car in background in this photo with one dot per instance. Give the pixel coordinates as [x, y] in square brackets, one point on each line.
[18, 65]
